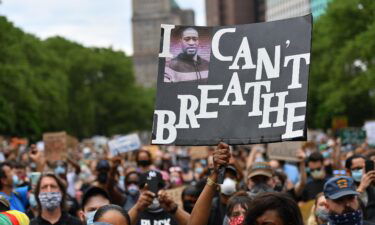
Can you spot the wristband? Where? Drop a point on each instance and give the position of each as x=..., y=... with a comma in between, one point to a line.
x=210, y=182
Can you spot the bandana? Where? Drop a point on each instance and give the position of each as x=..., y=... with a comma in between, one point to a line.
x=50, y=200
x=238, y=220
x=349, y=218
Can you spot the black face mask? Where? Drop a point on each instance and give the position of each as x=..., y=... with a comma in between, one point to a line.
x=188, y=206
x=279, y=187
x=260, y=188
x=144, y=163
x=102, y=177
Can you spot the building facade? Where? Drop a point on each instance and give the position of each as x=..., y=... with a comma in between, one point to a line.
x=231, y=12
x=282, y=9
x=146, y=20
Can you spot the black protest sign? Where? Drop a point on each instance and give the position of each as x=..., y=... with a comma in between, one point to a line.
x=239, y=84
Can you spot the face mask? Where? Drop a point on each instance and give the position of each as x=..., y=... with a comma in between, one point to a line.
x=357, y=175
x=238, y=220
x=32, y=201
x=144, y=163
x=318, y=174
x=155, y=206
x=50, y=200
x=326, y=154
x=176, y=180
x=260, y=188
x=278, y=187
x=322, y=214
x=228, y=187
x=349, y=218
x=198, y=170
x=60, y=170
x=133, y=189
x=188, y=206
x=16, y=181
x=90, y=217
x=102, y=178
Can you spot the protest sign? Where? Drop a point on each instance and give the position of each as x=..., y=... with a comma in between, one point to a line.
x=55, y=146
x=239, y=84
x=284, y=150
x=176, y=195
x=124, y=144
x=352, y=135
x=370, y=132
x=198, y=152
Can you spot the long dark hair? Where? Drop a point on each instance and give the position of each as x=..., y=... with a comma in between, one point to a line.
x=61, y=187
x=286, y=208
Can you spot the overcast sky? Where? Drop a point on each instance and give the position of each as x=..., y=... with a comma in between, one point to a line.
x=89, y=22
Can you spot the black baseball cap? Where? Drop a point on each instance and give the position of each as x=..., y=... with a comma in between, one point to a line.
x=93, y=191
x=338, y=187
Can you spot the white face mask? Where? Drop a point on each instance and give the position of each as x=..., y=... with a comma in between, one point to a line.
x=90, y=217
x=228, y=187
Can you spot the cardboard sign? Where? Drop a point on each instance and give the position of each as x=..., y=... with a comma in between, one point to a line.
x=370, y=132
x=200, y=152
x=284, y=150
x=355, y=136
x=240, y=84
x=55, y=145
x=124, y=144
x=176, y=195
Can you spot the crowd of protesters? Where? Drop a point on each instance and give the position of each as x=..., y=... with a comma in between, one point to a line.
x=92, y=187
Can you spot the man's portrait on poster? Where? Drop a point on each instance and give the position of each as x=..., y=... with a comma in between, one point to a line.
x=190, y=47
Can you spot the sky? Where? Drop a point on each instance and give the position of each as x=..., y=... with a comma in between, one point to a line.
x=89, y=22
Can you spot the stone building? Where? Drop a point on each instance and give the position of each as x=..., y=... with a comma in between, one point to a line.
x=147, y=17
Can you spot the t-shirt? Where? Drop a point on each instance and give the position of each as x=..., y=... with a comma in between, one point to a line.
x=17, y=199
x=312, y=188
x=160, y=218
x=65, y=219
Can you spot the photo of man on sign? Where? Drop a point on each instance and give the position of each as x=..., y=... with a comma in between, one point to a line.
x=187, y=65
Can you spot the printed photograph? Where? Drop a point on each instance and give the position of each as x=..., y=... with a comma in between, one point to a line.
x=191, y=48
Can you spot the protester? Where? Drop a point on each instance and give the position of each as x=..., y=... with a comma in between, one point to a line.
x=343, y=202
x=319, y=212
x=92, y=200
x=189, y=197
x=260, y=178
x=16, y=196
x=50, y=194
x=112, y=214
x=317, y=178
x=237, y=208
x=273, y=208
x=156, y=208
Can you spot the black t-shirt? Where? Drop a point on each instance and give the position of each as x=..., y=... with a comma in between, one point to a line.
x=64, y=220
x=159, y=218
x=312, y=188
x=217, y=213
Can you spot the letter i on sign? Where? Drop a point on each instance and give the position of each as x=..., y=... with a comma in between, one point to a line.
x=166, y=41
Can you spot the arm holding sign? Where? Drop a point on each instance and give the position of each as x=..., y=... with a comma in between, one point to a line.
x=116, y=196
x=37, y=157
x=200, y=215
x=171, y=207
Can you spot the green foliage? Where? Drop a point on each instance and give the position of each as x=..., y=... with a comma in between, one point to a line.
x=57, y=85
x=342, y=79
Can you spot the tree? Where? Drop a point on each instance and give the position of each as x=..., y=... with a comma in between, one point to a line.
x=342, y=79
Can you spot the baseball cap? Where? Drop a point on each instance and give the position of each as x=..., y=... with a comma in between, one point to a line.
x=93, y=191
x=4, y=202
x=102, y=165
x=338, y=187
x=260, y=168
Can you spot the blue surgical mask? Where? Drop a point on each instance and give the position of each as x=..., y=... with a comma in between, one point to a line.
x=322, y=214
x=326, y=154
x=199, y=170
x=16, y=181
x=32, y=201
x=60, y=170
x=357, y=175
x=90, y=217
x=133, y=189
